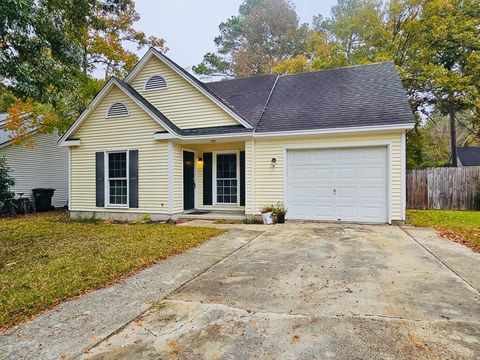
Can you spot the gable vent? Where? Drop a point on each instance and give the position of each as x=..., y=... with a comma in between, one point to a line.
x=155, y=82
x=117, y=109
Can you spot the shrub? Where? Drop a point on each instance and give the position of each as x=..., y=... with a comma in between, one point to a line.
x=6, y=181
x=267, y=209
x=476, y=199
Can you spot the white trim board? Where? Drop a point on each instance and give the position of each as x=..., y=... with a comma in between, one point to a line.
x=171, y=187
x=403, y=157
x=107, y=180
x=344, y=131
x=214, y=177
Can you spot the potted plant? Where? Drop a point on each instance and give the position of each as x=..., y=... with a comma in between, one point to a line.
x=279, y=211
x=267, y=215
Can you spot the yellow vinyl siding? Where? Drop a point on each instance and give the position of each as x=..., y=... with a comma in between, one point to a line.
x=181, y=102
x=269, y=181
x=99, y=133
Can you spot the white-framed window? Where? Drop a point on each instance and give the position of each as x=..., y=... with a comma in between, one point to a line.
x=116, y=178
x=155, y=82
x=226, y=182
x=117, y=109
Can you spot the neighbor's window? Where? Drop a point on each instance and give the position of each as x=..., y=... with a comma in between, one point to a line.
x=117, y=178
x=227, y=178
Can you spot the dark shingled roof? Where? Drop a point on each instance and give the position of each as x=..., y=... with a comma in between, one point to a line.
x=469, y=156
x=364, y=95
x=248, y=95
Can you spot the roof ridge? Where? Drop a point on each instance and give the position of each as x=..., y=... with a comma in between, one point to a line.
x=305, y=72
x=242, y=78
x=341, y=68
x=266, y=103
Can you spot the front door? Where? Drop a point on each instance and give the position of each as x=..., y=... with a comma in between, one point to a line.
x=188, y=180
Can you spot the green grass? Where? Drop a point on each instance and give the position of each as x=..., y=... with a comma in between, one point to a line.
x=463, y=226
x=47, y=258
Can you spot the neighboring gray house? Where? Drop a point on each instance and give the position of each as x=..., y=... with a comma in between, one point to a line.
x=45, y=165
x=468, y=156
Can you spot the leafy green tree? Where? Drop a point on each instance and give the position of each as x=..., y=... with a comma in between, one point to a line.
x=48, y=50
x=264, y=33
x=357, y=27
x=104, y=41
x=434, y=43
x=445, y=67
x=6, y=181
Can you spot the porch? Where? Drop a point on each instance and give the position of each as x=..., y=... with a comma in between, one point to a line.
x=213, y=178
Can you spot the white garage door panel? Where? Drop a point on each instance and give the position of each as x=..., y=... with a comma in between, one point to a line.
x=337, y=184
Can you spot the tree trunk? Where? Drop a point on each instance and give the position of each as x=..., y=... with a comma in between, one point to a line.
x=453, y=135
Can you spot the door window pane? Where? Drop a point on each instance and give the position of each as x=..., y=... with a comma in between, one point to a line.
x=227, y=181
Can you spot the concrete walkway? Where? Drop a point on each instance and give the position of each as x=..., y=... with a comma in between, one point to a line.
x=81, y=323
x=293, y=291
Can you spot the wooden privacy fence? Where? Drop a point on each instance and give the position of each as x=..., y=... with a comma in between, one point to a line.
x=443, y=188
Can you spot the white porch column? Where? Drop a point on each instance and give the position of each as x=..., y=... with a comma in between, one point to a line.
x=249, y=177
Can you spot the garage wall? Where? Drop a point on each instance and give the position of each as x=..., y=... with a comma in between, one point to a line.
x=269, y=181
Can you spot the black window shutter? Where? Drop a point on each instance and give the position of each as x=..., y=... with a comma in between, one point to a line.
x=242, y=178
x=133, y=178
x=100, y=179
x=207, y=178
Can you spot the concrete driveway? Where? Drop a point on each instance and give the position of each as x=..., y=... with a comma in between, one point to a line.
x=317, y=291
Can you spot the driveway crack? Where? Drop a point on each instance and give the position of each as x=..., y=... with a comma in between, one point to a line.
x=250, y=313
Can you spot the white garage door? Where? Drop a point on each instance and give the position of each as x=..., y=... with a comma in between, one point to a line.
x=348, y=184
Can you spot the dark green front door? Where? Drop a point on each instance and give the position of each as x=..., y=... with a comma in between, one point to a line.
x=188, y=180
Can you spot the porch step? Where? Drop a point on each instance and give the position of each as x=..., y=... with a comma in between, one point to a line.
x=214, y=215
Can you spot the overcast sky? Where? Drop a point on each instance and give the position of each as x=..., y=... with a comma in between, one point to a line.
x=189, y=26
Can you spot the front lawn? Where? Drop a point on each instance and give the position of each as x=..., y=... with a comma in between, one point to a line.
x=47, y=258
x=462, y=226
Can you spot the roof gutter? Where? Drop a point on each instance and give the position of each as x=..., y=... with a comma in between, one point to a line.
x=343, y=130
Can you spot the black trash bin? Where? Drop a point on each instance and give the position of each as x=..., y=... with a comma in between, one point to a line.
x=43, y=199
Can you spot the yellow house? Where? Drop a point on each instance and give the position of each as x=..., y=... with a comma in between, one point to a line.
x=329, y=144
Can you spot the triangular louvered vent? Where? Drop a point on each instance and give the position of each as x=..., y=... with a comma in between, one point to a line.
x=155, y=82
x=117, y=109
